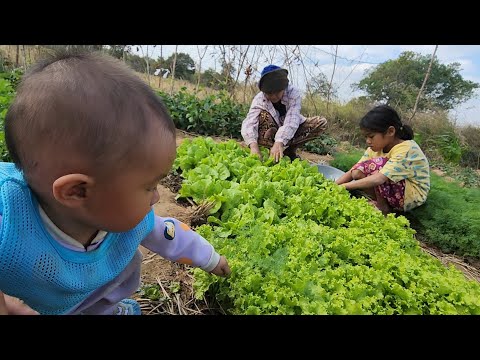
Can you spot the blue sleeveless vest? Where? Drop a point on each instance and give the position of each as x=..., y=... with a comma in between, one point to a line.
x=34, y=267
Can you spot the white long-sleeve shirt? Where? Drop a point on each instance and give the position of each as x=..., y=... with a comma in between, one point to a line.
x=288, y=124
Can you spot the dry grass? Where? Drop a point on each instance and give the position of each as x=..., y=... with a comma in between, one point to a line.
x=177, y=294
x=469, y=271
x=178, y=304
x=173, y=182
x=200, y=213
x=242, y=95
x=471, y=135
x=26, y=53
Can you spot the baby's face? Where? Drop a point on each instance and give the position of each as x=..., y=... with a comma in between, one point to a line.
x=121, y=202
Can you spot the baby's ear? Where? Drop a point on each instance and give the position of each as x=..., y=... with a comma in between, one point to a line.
x=71, y=190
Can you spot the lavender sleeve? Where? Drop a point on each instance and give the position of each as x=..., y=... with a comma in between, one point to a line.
x=249, y=129
x=293, y=118
x=176, y=241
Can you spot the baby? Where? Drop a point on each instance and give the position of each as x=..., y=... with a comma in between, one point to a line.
x=89, y=142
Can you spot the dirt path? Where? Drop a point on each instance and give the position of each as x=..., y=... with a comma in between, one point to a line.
x=172, y=283
x=171, y=280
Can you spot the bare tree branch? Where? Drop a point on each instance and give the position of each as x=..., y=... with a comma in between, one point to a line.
x=173, y=68
x=424, y=82
x=308, y=87
x=160, y=76
x=248, y=74
x=147, y=67
x=331, y=79
x=24, y=58
x=200, y=65
x=353, y=69
x=243, y=56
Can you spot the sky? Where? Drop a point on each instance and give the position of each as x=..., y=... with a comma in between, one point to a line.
x=352, y=62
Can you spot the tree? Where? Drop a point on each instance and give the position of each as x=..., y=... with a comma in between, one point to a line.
x=398, y=82
x=138, y=63
x=319, y=85
x=184, y=66
x=199, y=72
x=210, y=78
x=228, y=83
x=219, y=81
x=76, y=47
x=118, y=51
x=424, y=82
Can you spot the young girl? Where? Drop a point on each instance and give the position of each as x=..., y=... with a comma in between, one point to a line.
x=393, y=170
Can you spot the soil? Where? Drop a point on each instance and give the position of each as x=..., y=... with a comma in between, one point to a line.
x=174, y=281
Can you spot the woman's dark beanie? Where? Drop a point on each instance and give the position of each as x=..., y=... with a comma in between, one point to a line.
x=273, y=79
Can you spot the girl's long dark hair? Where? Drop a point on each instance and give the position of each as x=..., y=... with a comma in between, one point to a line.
x=381, y=117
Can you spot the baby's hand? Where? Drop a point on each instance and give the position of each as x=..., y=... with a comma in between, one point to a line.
x=10, y=305
x=222, y=268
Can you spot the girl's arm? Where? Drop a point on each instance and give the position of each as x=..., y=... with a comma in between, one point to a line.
x=366, y=182
x=347, y=177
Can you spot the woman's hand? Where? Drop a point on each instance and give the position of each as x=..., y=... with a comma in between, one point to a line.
x=255, y=150
x=277, y=151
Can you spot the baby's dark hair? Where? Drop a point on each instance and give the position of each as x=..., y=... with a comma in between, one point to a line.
x=381, y=117
x=89, y=102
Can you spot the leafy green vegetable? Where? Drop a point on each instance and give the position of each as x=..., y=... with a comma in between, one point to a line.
x=298, y=244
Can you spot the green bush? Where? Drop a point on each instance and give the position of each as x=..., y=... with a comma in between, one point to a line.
x=466, y=176
x=213, y=115
x=438, y=136
x=449, y=147
x=323, y=145
x=345, y=161
x=13, y=77
x=449, y=218
x=471, y=154
x=8, y=83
